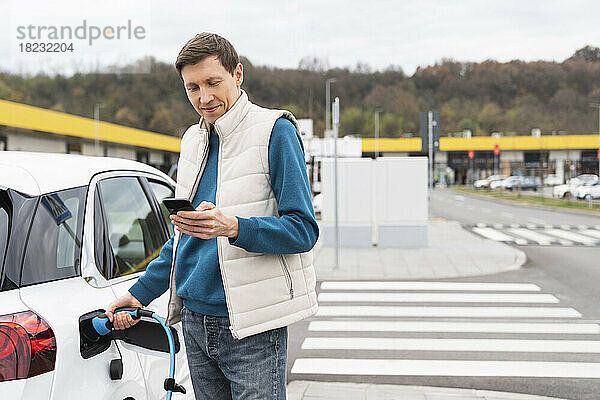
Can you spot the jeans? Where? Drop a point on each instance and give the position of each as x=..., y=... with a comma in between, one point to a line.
x=222, y=367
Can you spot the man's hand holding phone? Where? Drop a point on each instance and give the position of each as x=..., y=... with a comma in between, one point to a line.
x=205, y=222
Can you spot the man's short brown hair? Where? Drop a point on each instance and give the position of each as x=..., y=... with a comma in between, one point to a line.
x=205, y=45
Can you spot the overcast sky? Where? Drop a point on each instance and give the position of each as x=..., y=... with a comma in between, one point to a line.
x=280, y=33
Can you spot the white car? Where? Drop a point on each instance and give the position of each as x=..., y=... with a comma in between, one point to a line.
x=485, y=183
x=75, y=233
x=595, y=191
x=552, y=180
x=318, y=204
x=588, y=191
x=561, y=191
x=569, y=189
x=497, y=184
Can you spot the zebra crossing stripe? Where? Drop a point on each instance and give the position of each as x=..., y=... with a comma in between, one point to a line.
x=448, y=312
x=443, y=327
x=547, y=369
x=565, y=227
x=427, y=285
x=543, y=240
x=437, y=297
x=481, y=225
x=591, y=232
x=573, y=237
x=458, y=345
x=493, y=234
x=498, y=236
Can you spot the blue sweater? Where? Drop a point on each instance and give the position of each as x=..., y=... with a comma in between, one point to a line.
x=198, y=278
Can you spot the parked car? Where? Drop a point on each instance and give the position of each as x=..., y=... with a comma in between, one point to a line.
x=522, y=182
x=552, y=180
x=582, y=179
x=562, y=191
x=497, y=184
x=485, y=183
x=318, y=205
x=570, y=188
x=584, y=191
x=531, y=183
x=594, y=191
x=75, y=233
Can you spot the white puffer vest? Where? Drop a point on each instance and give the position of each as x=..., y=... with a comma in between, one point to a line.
x=262, y=291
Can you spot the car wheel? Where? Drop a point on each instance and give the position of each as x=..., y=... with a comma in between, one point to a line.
x=567, y=195
x=588, y=197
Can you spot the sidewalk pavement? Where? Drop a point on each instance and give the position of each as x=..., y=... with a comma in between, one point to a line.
x=452, y=253
x=310, y=390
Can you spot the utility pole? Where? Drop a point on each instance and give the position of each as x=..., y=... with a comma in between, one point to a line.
x=598, y=155
x=328, y=83
x=336, y=124
x=377, y=133
x=430, y=123
x=97, y=108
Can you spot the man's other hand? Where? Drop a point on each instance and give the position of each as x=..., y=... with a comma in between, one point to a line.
x=123, y=320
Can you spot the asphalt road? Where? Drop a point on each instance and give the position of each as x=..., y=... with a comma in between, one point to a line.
x=568, y=274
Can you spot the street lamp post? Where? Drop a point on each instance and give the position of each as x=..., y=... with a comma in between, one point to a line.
x=328, y=83
x=336, y=124
x=97, y=108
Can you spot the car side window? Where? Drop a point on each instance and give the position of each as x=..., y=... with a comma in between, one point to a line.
x=54, y=245
x=4, y=225
x=133, y=232
x=162, y=191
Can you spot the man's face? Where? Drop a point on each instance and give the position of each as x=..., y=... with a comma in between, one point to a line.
x=211, y=89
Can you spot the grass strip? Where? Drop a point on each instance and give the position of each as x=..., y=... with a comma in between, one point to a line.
x=582, y=205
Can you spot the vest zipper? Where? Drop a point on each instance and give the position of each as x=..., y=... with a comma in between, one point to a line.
x=288, y=276
x=219, y=246
x=190, y=196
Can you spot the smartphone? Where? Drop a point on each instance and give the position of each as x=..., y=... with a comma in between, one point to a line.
x=174, y=205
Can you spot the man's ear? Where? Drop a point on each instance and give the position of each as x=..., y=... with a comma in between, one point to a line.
x=238, y=74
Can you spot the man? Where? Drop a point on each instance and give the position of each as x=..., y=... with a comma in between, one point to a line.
x=240, y=266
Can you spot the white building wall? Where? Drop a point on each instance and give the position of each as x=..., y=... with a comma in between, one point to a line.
x=155, y=158
x=89, y=149
x=512, y=156
x=121, y=152
x=37, y=143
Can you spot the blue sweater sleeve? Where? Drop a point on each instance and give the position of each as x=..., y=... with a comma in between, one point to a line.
x=296, y=230
x=155, y=281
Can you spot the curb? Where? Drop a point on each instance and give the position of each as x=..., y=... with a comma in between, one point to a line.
x=520, y=260
x=303, y=389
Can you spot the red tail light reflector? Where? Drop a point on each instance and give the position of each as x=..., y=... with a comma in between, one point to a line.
x=27, y=346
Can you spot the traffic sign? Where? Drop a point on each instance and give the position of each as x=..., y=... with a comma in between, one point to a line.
x=471, y=154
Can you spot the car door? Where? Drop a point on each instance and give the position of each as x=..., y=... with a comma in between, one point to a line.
x=52, y=286
x=137, y=233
